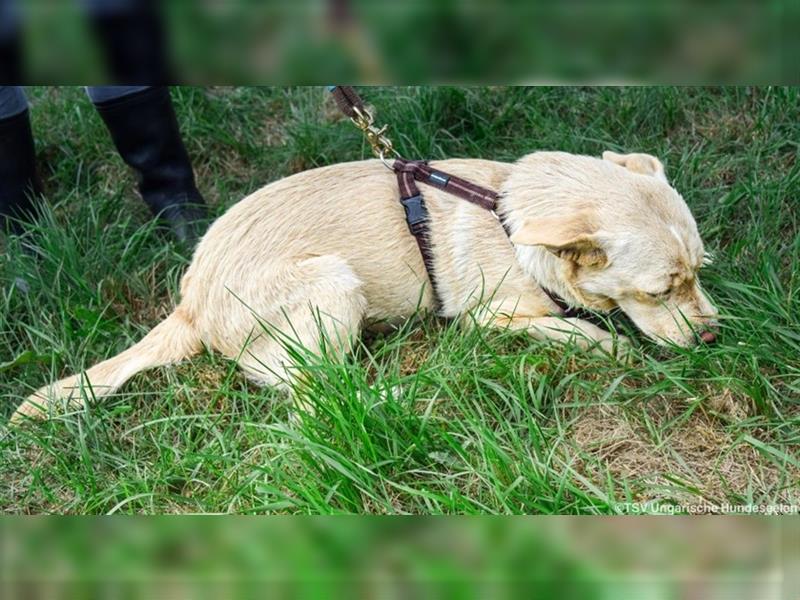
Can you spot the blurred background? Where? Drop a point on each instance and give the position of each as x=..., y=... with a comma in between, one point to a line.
x=483, y=557
x=435, y=41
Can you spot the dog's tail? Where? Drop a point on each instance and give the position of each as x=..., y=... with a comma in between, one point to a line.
x=171, y=341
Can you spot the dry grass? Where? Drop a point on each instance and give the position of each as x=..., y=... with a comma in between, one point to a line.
x=700, y=451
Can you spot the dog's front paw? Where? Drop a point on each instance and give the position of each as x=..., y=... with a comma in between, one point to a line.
x=619, y=347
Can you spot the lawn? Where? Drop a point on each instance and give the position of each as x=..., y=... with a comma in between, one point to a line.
x=430, y=418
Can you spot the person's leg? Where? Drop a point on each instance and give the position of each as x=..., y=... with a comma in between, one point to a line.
x=132, y=38
x=18, y=180
x=10, y=43
x=143, y=126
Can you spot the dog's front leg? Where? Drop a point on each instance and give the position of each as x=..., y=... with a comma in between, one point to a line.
x=587, y=336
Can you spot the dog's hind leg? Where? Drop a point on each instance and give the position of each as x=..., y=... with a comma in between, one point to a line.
x=320, y=313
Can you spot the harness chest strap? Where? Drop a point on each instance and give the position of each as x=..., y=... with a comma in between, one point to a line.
x=408, y=173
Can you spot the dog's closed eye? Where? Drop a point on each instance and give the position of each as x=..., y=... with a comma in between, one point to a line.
x=662, y=295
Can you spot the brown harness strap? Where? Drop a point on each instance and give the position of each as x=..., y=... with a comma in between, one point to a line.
x=417, y=220
x=422, y=172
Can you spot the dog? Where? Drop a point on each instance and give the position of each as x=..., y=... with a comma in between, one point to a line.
x=320, y=254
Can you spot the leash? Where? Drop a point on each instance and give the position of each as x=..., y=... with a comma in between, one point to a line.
x=351, y=105
x=409, y=172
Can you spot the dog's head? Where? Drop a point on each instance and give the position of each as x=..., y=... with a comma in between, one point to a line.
x=626, y=239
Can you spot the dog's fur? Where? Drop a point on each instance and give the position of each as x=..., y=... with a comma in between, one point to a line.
x=320, y=253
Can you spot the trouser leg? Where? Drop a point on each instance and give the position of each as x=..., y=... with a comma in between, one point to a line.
x=10, y=43
x=132, y=37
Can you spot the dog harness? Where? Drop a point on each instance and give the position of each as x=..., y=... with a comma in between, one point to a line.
x=409, y=172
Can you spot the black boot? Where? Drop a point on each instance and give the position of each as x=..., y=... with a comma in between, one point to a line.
x=145, y=132
x=19, y=184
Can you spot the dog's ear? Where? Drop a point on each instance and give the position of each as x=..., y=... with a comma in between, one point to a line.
x=643, y=164
x=571, y=239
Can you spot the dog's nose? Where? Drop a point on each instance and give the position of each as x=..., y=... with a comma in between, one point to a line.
x=708, y=336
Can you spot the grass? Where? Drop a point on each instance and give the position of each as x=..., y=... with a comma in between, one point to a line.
x=431, y=418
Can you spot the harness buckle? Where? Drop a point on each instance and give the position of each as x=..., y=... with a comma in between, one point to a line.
x=416, y=213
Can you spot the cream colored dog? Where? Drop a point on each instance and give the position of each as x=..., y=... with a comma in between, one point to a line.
x=318, y=254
